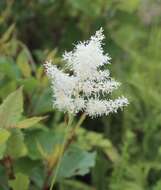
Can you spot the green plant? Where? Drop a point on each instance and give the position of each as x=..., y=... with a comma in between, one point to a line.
x=128, y=145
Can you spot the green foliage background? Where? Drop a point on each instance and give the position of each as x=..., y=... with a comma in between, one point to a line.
x=119, y=152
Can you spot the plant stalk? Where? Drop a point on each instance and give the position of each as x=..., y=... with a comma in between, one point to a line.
x=61, y=151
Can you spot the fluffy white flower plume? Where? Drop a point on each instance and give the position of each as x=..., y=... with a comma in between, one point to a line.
x=87, y=89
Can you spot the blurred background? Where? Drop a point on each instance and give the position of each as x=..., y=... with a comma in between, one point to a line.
x=128, y=144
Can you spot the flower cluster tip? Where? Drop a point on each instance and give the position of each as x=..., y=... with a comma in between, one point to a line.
x=89, y=86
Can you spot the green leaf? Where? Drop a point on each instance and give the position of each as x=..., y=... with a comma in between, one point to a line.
x=3, y=178
x=7, y=88
x=7, y=34
x=48, y=140
x=89, y=139
x=42, y=102
x=37, y=176
x=20, y=183
x=76, y=162
x=15, y=146
x=157, y=186
x=23, y=63
x=88, y=7
x=75, y=185
x=29, y=84
x=2, y=150
x=129, y=41
x=4, y=135
x=11, y=109
x=8, y=68
x=29, y=122
x=128, y=6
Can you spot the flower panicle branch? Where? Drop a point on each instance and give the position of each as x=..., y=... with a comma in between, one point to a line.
x=89, y=86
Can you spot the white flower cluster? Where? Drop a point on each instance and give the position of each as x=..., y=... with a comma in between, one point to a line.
x=87, y=88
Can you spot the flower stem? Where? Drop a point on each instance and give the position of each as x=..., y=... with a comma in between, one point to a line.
x=74, y=130
x=82, y=118
x=70, y=120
